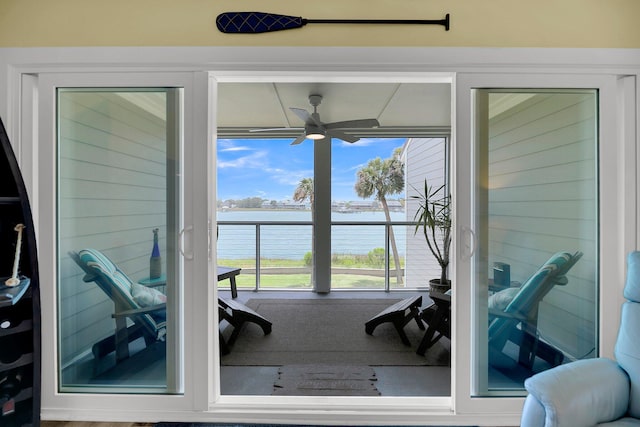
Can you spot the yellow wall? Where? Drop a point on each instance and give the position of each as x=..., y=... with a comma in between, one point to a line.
x=506, y=23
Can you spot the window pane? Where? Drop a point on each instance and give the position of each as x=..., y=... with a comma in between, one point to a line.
x=373, y=211
x=536, y=278
x=264, y=226
x=118, y=220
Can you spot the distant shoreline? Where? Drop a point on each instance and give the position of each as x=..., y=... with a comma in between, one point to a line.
x=340, y=210
x=287, y=234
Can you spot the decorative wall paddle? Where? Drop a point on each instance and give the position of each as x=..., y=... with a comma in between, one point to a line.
x=261, y=22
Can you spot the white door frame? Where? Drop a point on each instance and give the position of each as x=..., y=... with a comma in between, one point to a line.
x=17, y=66
x=187, y=350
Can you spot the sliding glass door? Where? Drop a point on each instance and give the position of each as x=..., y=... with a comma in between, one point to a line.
x=119, y=217
x=536, y=223
x=533, y=214
x=124, y=232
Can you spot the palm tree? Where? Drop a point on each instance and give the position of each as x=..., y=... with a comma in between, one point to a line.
x=380, y=178
x=304, y=191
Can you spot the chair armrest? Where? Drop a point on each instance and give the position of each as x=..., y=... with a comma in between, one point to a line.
x=155, y=285
x=138, y=311
x=582, y=393
x=514, y=315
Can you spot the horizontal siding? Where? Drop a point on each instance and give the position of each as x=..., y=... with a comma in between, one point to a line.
x=112, y=193
x=424, y=158
x=542, y=199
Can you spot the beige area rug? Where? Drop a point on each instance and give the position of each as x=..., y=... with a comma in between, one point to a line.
x=330, y=332
x=325, y=380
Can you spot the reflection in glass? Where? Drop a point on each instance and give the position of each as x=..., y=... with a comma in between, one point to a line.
x=536, y=198
x=118, y=215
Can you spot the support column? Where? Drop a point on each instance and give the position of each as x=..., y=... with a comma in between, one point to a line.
x=322, y=216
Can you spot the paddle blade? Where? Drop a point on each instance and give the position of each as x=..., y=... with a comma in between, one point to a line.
x=256, y=22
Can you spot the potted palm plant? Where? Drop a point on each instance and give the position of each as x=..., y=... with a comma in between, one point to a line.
x=433, y=220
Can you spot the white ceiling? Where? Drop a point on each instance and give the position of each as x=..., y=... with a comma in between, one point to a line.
x=403, y=109
x=264, y=105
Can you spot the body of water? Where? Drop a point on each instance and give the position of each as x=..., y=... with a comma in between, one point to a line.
x=293, y=241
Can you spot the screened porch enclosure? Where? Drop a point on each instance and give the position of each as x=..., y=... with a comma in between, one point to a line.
x=272, y=240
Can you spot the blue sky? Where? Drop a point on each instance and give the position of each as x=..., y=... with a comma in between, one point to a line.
x=272, y=168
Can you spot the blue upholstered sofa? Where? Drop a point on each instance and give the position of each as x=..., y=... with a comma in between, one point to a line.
x=594, y=392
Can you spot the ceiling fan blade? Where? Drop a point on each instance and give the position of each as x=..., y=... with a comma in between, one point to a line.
x=299, y=139
x=304, y=115
x=273, y=129
x=341, y=135
x=355, y=124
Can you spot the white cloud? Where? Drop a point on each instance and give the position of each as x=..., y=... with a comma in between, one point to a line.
x=254, y=160
x=229, y=145
x=231, y=149
x=288, y=176
x=365, y=142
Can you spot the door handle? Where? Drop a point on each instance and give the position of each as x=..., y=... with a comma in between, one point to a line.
x=468, y=242
x=189, y=255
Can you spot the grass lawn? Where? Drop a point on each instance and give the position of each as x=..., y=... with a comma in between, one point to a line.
x=337, y=260
x=303, y=281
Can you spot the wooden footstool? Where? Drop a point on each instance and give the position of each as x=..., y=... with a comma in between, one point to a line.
x=399, y=314
x=237, y=314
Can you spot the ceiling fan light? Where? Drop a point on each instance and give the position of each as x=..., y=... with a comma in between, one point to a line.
x=315, y=132
x=315, y=135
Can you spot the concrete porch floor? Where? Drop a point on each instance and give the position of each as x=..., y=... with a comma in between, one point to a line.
x=391, y=380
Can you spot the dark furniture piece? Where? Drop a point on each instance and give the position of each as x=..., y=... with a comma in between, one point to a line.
x=437, y=316
x=229, y=273
x=399, y=314
x=235, y=313
x=20, y=352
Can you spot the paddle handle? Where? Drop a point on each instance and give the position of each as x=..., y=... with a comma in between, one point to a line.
x=444, y=22
x=262, y=22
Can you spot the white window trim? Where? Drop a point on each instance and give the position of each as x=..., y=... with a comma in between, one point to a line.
x=17, y=65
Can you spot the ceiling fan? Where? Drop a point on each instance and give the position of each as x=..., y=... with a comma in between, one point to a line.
x=314, y=128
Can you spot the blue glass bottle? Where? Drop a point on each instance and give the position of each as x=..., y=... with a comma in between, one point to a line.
x=155, y=264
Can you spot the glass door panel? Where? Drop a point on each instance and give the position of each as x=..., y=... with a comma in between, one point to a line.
x=119, y=207
x=536, y=223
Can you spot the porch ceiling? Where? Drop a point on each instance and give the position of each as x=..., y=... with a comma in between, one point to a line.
x=265, y=105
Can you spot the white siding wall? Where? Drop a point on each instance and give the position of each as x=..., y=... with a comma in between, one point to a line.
x=424, y=158
x=112, y=181
x=542, y=199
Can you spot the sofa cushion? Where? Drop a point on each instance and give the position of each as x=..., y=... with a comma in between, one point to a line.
x=632, y=285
